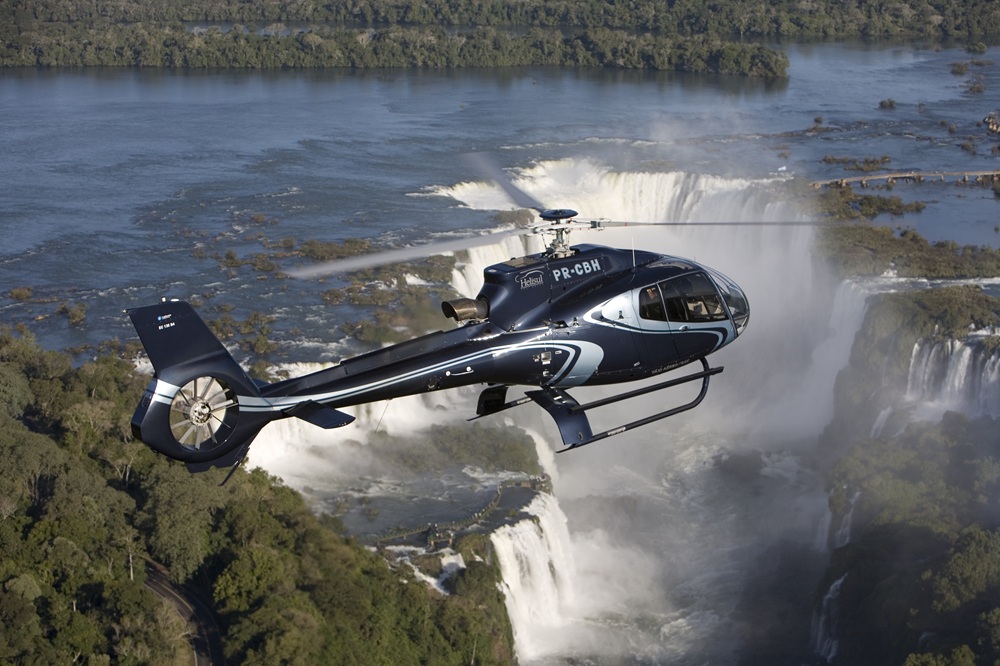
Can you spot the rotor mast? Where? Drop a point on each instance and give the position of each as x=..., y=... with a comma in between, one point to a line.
x=561, y=225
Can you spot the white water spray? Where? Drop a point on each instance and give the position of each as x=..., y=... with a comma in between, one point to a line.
x=650, y=567
x=559, y=593
x=778, y=386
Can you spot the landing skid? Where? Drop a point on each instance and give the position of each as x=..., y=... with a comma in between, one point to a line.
x=571, y=417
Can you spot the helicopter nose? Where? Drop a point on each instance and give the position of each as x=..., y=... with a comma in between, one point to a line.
x=740, y=309
x=735, y=299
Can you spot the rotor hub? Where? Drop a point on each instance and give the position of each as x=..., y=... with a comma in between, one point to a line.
x=201, y=413
x=557, y=214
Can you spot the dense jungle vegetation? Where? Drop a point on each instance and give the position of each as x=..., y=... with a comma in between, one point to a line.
x=866, y=250
x=920, y=576
x=679, y=35
x=83, y=507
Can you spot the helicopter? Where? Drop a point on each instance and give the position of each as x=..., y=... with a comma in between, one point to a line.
x=570, y=316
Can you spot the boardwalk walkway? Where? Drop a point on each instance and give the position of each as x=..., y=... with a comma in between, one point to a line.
x=509, y=501
x=987, y=176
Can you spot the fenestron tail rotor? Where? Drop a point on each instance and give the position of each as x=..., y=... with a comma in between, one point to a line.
x=195, y=408
x=203, y=412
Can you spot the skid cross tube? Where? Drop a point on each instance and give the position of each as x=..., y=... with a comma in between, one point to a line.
x=572, y=417
x=706, y=373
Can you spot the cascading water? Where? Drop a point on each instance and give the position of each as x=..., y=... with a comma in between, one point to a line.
x=538, y=566
x=642, y=554
x=561, y=597
x=955, y=374
x=659, y=500
x=825, y=642
x=842, y=537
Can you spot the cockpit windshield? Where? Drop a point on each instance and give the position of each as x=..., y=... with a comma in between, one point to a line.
x=695, y=297
x=688, y=298
x=735, y=300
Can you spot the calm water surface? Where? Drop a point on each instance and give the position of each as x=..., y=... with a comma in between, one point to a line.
x=121, y=186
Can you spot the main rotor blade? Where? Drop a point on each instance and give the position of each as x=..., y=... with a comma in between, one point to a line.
x=484, y=165
x=603, y=224
x=404, y=254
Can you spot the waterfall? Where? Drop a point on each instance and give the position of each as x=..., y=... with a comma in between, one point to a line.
x=567, y=593
x=825, y=641
x=538, y=569
x=657, y=579
x=959, y=375
x=843, y=535
x=880, y=422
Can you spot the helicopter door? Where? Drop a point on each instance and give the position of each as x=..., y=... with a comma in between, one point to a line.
x=657, y=345
x=620, y=314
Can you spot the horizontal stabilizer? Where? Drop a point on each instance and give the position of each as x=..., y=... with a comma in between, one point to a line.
x=320, y=415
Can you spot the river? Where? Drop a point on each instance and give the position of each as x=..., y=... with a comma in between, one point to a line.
x=120, y=187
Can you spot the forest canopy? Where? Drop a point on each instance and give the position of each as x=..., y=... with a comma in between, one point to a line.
x=914, y=502
x=674, y=35
x=726, y=19
x=84, y=507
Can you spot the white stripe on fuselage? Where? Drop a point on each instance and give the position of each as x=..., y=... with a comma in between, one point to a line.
x=584, y=356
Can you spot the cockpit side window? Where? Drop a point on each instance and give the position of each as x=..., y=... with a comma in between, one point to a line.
x=674, y=302
x=692, y=298
x=651, y=304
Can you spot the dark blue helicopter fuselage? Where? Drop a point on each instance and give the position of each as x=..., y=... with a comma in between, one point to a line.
x=586, y=316
x=583, y=319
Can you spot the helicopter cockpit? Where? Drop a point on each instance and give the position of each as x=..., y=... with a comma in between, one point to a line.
x=699, y=297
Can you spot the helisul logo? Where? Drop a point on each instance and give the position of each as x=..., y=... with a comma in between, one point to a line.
x=531, y=279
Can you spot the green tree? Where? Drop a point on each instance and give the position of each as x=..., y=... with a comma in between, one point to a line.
x=21, y=626
x=971, y=574
x=15, y=391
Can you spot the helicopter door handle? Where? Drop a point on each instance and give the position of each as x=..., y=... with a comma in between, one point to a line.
x=683, y=328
